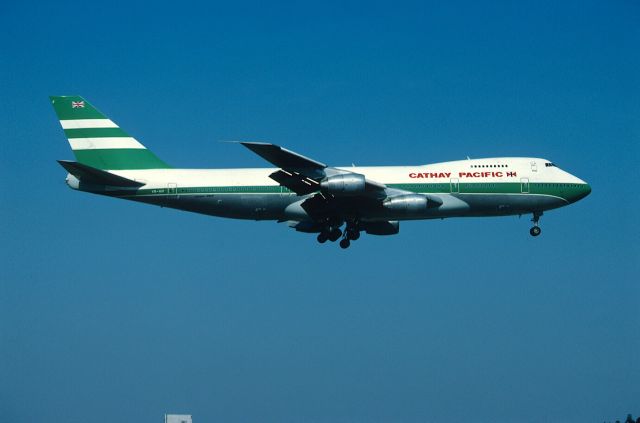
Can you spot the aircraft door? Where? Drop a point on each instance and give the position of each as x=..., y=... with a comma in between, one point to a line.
x=172, y=190
x=455, y=185
x=524, y=185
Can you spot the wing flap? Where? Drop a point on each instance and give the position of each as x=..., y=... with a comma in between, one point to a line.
x=297, y=183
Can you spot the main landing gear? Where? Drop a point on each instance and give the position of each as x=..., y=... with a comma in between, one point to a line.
x=333, y=233
x=535, y=231
x=350, y=234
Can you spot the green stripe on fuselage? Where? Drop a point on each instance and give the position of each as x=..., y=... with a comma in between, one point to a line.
x=565, y=191
x=568, y=192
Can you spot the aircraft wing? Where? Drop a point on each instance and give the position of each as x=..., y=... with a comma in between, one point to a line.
x=338, y=191
x=287, y=159
x=303, y=175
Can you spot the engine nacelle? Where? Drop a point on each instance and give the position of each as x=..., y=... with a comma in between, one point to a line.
x=343, y=185
x=72, y=181
x=410, y=203
x=381, y=228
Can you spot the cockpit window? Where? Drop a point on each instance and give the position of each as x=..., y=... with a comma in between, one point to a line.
x=549, y=164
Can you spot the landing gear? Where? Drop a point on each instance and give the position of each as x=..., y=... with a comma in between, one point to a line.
x=353, y=234
x=329, y=234
x=352, y=231
x=334, y=234
x=535, y=231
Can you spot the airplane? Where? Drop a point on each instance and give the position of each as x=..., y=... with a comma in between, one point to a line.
x=310, y=196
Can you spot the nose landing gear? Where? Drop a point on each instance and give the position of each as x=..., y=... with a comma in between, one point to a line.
x=535, y=231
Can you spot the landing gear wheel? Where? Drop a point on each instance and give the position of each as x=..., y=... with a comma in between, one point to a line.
x=535, y=231
x=322, y=237
x=335, y=234
x=353, y=235
x=344, y=243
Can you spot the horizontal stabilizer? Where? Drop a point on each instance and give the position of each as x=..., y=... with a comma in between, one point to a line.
x=91, y=175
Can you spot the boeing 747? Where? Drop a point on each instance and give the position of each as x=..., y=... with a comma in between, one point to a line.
x=310, y=196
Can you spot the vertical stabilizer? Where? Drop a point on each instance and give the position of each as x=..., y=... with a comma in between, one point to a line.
x=97, y=141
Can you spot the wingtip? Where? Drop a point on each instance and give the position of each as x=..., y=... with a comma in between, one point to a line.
x=254, y=145
x=246, y=143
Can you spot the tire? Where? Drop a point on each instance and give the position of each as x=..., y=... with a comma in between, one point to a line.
x=353, y=235
x=335, y=234
x=535, y=231
x=344, y=243
x=322, y=237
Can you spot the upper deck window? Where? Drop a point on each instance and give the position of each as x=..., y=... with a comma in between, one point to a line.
x=491, y=165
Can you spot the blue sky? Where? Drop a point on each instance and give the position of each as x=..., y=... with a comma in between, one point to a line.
x=111, y=309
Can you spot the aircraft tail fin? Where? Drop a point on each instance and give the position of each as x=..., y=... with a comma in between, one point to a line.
x=97, y=141
x=91, y=175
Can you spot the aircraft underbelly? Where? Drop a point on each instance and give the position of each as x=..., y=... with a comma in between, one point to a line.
x=288, y=207
x=509, y=204
x=237, y=206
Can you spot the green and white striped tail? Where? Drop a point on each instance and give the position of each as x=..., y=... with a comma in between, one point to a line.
x=97, y=141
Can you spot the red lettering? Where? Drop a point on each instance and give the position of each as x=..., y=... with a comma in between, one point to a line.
x=412, y=175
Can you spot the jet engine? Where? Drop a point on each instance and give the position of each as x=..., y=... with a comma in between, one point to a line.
x=343, y=185
x=381, y=228
x=409, y=203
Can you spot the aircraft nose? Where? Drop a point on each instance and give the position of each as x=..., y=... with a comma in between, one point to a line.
x=584, y=189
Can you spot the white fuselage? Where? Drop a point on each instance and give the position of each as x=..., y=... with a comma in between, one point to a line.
x=494, y=186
